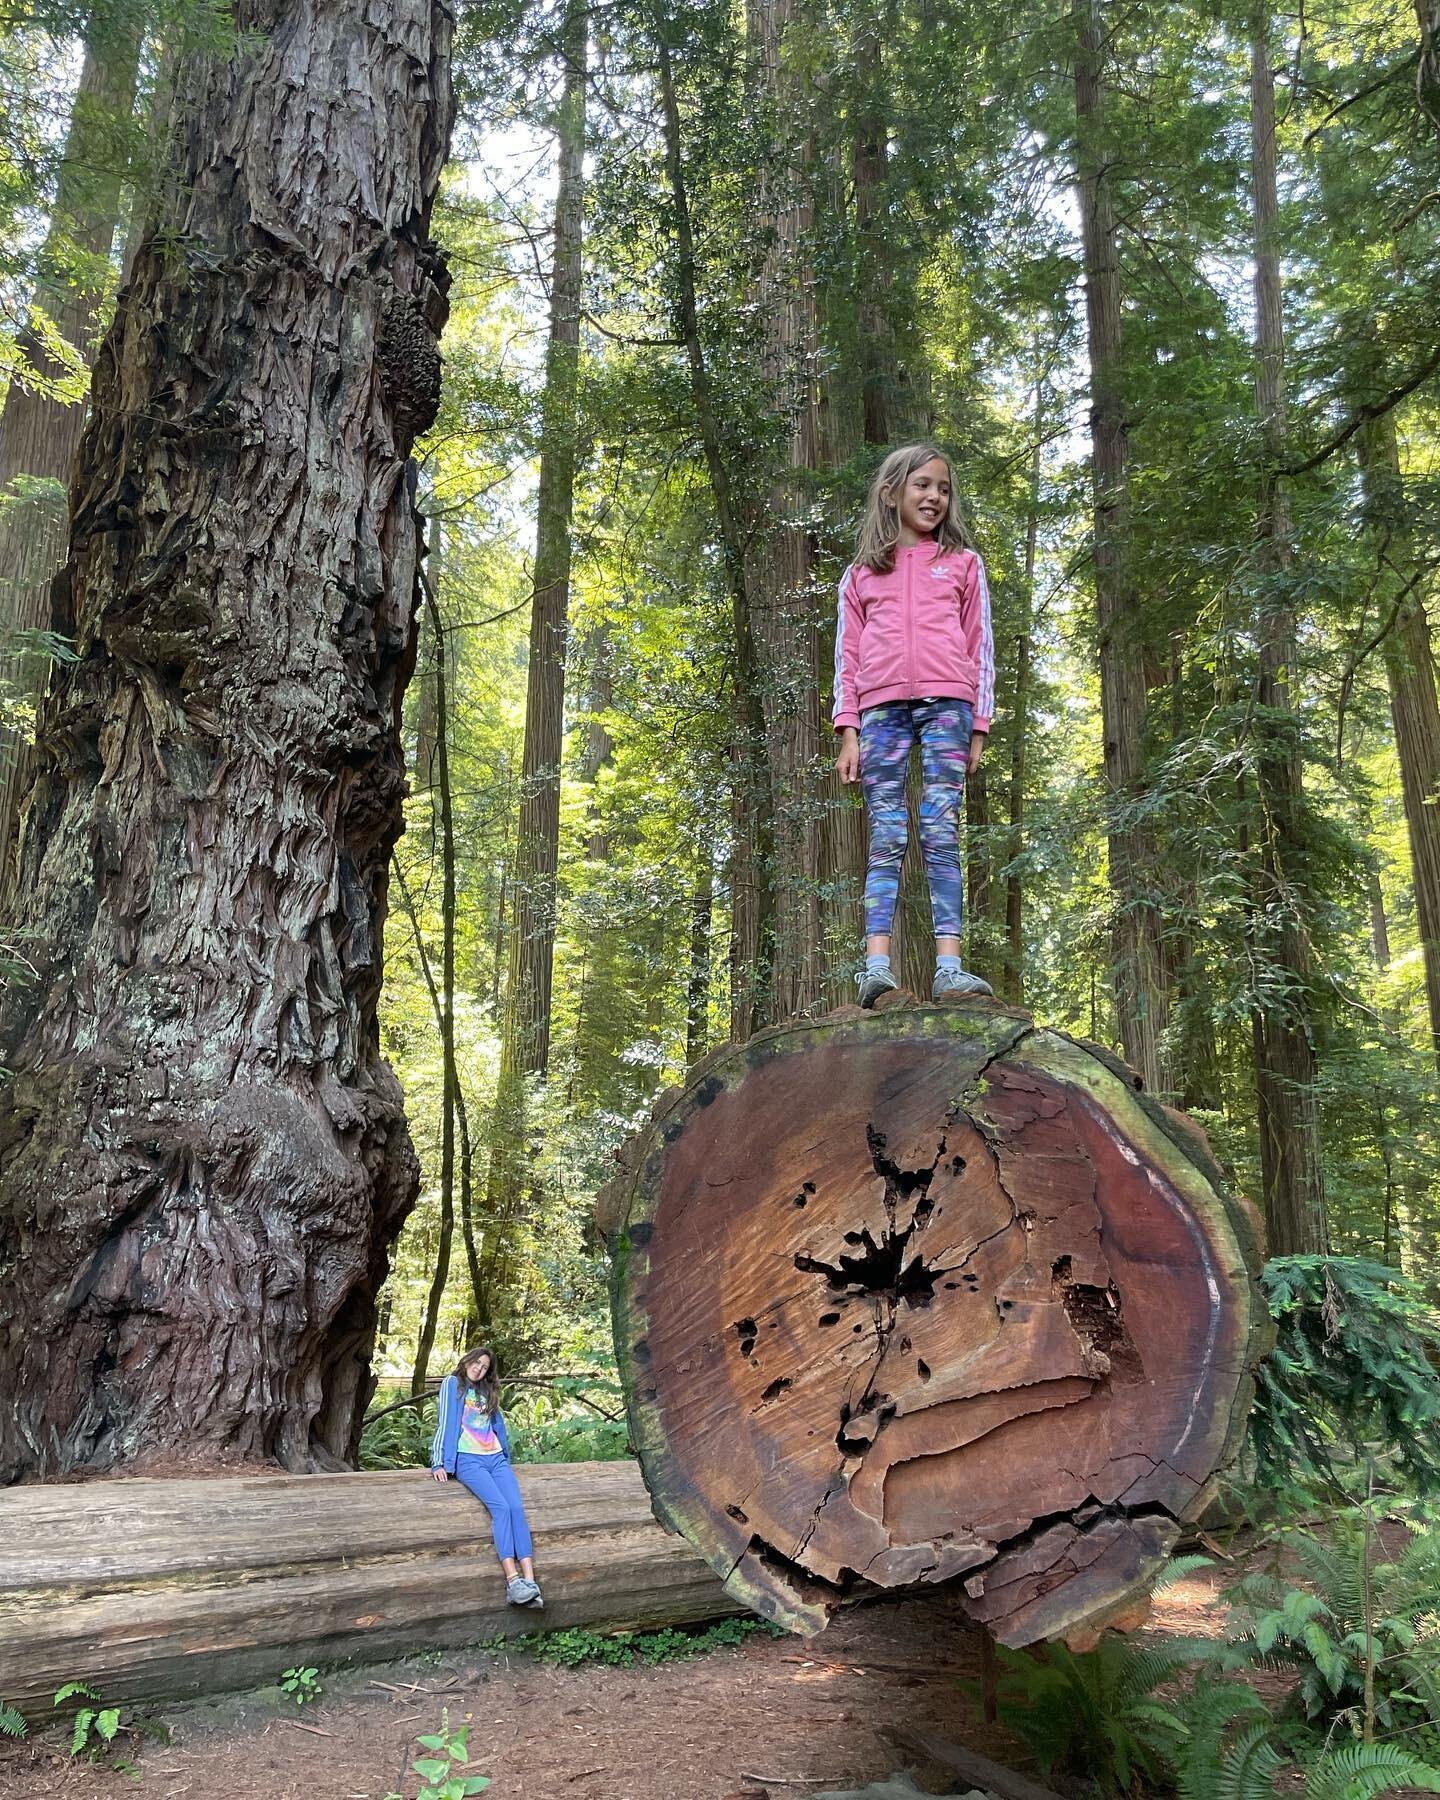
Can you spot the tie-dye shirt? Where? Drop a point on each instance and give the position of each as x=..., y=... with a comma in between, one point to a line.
x=477, y=1428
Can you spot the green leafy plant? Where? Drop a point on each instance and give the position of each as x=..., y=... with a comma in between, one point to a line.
x=95, y=1726
x=623, y=1649
x=12, y=1723
x=302, y=1685
x=1356, y=1358
x=441, y=1770
x=1094, y=1713
x=1233, y=1748
x=1362, y=1634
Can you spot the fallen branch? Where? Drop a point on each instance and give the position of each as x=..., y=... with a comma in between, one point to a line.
x=978, y=1770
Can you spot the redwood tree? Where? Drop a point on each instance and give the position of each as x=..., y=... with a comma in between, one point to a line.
x=1139, y=965
x=203, y=1157
x=1288, y=1114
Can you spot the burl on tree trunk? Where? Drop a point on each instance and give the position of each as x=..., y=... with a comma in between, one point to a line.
x=927, y=1294
x=203, y=1156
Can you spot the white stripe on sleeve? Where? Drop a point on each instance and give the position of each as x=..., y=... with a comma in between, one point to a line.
x=840, y=643
x=985, y=687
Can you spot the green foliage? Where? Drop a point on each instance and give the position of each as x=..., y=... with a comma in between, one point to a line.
x=623, y=1649
x=94, y=1726
x=1094, y=1713
x=1361, y=1771
x=302, y=1685
x=12, y=1723
x=1354, y=1621
x=441, y=1772
x=401, y=1439
x=1356, y=1363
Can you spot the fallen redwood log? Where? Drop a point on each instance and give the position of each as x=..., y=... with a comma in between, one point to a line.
x=171, y=1588
x=929, y=1294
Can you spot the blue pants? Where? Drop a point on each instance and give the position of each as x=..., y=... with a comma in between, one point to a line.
x=942, y=730
x=492, y=1481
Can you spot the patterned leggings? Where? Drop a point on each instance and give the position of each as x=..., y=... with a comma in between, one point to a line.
x=942, y=730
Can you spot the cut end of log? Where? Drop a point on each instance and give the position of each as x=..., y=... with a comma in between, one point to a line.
x=927, y=1295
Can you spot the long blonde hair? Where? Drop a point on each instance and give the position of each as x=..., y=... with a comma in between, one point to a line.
x=880, y=528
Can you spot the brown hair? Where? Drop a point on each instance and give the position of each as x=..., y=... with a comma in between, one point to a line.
x=489, y=1389
x=880, y=527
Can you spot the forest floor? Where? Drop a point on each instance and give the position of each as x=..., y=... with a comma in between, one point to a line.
x=773, y=1719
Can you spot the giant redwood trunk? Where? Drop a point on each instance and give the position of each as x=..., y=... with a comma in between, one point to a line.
x=928, y=1294
x=203, y=1158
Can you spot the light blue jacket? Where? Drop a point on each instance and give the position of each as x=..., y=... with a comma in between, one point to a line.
x=446, y=1441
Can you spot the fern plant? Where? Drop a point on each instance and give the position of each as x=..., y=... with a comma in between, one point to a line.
x=12, y=1723
x=1361, y=1635
x=1094, y=1713
x=1361, y=1771
x=95, y=1726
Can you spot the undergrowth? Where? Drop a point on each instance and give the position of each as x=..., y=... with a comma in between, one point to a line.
x=624, y=1649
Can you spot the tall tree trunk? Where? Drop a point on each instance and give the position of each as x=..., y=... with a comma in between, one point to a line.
x=444, y=1000
x=1379, y=925
x=39, y=431
x=1292, y=1173
x=982, y=925
x=1013, y=988
x=752, y=957
x=203, y=1157
x=1414, y=707
x=778, y=555
x=1141, y=1000
x=525, y=1032
x=697, y=990
x=598, y=748
x=526, y=1045
x=1427, y=75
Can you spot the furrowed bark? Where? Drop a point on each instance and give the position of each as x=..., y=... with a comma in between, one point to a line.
x=929, y=1295
x=203, y=1157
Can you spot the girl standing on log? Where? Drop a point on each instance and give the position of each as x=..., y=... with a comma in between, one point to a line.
x=472, y=1444
x=914, y=663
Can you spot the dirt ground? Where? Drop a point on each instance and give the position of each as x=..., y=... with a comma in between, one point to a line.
x=775, y=1717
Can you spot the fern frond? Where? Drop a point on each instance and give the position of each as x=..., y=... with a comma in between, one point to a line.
x=1181, y=1568
x=12, y=1723
x=1249, y=1765
x=1361, y=1771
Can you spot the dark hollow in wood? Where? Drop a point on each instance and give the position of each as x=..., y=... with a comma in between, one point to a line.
x=173, y=1588
x=928, y=1295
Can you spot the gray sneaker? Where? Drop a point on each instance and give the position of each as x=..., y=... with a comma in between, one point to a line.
x=522, y=1592
x=874, y=983
x=958, y=981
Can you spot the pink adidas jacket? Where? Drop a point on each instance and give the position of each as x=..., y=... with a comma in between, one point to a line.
x=921, y=632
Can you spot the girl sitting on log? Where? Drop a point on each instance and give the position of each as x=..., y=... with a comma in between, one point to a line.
x=914, y=663
x=472, y=1444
